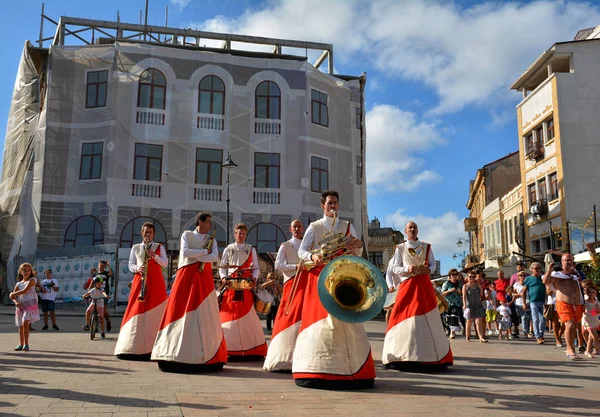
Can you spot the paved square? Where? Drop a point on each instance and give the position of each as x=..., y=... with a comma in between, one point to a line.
x=67, y=374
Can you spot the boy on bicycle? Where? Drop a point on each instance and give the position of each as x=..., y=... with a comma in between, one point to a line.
x=98, y=294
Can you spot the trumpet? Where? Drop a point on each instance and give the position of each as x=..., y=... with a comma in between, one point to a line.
x=142, y=296
x=208, y=247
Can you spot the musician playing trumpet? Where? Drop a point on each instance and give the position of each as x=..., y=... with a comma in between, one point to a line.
x=190, y=339
x=415, y=339
x=329, y=353
x=242, y=328
x=142, y=316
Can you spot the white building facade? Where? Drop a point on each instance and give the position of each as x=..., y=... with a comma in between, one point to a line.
x=134, y=132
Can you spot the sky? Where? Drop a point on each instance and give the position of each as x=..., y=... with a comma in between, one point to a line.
x=438, y=98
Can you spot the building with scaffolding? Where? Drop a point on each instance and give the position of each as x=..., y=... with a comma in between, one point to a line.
x=115, y=124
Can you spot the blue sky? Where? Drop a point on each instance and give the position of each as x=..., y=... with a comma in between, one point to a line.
x=439, y=73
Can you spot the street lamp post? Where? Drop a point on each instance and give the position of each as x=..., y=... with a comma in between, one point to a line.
x=229, y=165
x=462, y=258
x=461, y=241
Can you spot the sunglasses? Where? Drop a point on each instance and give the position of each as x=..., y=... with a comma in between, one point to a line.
x=536, y=268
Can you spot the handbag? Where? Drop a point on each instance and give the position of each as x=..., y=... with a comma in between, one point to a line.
x=467, y=313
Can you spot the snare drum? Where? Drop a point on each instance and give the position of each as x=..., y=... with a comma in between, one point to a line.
x=390, y=299
x=263, y=303
x=240, y=284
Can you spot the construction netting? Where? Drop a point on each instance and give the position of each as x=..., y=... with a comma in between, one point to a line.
x=103, y=138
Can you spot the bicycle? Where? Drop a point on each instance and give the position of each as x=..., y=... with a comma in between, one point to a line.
x=94, y=317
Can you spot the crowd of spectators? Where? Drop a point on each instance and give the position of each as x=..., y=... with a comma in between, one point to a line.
x=529, y=304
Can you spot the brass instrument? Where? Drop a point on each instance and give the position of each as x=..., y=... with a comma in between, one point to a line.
x=142, y=296
x=330, y=246
x=352, y=289
x=208, y=246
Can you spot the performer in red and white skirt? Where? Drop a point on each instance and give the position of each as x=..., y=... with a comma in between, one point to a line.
x=190, y=338
x=415, y=339
x=287, y=322
x=242, y=328
x=142, y=318
x=329, y=353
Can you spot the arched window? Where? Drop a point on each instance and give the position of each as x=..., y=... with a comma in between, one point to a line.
x=84, y=231
x=268, y=101
x=132, y=232
x=265, y=237
x=152, y=89
x=211, y=98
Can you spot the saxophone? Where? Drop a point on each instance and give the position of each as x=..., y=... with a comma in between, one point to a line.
x=208, y=246
x=142, y=296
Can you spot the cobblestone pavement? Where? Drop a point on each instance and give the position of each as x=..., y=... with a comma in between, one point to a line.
x=67, y=374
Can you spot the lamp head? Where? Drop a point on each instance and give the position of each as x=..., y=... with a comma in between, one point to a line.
x=229, y=164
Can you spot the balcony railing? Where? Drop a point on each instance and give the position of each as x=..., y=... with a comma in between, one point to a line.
x=266, y=197
x=494, y=253
x=536, y=152
x=267, y=127
x=150, y=117
x=146, y=190
x=210, y=122
x=539, y=208
x=208, y=194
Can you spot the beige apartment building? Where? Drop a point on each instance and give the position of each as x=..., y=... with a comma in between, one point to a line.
x=491, y=183
x=558, y=125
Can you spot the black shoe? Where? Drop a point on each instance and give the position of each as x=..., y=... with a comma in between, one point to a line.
x=103, y=335
x=45, y=327
x=108, y=325
x=86, y=328
x=55, y=327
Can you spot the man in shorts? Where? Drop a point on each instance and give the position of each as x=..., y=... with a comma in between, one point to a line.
x=569, y=299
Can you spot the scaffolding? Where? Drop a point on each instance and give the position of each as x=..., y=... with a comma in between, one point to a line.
x=91, y=32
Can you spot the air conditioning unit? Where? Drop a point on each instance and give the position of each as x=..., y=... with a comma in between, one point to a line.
x=539, y=208
x=534, y=209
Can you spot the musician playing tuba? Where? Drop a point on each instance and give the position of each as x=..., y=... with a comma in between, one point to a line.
x=329, y=353
x=415, y=339
x=142, y=317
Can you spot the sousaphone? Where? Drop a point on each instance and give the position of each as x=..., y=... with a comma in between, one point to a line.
x=352, y=289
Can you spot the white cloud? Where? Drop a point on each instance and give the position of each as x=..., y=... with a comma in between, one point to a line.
x=467, y=55
x=441, y=232
x=394, y=138
x=180, y=3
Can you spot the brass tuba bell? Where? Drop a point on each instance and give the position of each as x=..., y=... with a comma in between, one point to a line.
x=352, y=289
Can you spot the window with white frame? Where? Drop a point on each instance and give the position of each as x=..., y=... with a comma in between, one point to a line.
x=553, y=180
x=550, y=130
x=542, y=188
